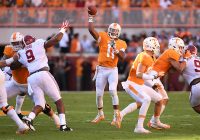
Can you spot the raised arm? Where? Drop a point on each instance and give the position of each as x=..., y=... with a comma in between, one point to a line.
x=56, y=38
x=179, y=66
x=91, y=28
x=8, y=62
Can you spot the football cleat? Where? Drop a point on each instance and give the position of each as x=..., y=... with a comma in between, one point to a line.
x=141, y=131
x=21, y=116
x=98, y=118
x=158, y=125
x=29, y=123
x=113, y=122
x=65, y=128
x=118, y=119
x=22, y=130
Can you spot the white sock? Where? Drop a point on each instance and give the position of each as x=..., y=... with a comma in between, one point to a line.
x=19, y=103
x=140, y=122
x=13, y=115
x=62, y=119
x=130, y=108
x=100, y=112
x=56, y=119
x=31, y=115
x=155, y=119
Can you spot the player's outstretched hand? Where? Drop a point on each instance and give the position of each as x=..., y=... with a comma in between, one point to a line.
x=65, y=26
x=161, y=73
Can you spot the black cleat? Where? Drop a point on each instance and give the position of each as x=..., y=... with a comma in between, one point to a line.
x=21, y=116
x=29, y=123
x=65, y=128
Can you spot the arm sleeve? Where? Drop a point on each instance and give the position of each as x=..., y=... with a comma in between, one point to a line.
x=174, y=55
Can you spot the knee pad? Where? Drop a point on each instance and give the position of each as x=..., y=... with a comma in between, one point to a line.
x=7, y=108
x=114, y=96
x=46, y=109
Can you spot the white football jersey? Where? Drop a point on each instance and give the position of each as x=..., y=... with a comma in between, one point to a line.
x=192, y=70
x=34, y=56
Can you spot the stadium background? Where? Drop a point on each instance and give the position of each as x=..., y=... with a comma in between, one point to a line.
x=73, y=64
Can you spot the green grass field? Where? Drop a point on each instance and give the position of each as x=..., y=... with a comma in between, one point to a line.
x=81, y=109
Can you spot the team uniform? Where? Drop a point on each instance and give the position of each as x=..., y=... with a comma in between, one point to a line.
x=107, y=64
x=41, y=81
x=18, y=82
x=135, y=86
x=162, y=64
x=107, y=71
x=191, y=74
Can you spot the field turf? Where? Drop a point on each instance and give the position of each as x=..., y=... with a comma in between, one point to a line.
x=81, y=108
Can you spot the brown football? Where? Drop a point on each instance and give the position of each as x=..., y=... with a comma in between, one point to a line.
x=92, y=10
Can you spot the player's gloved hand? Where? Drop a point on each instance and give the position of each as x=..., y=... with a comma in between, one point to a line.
x=65, y=26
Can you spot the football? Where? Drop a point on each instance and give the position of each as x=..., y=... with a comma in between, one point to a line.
x=92, y=10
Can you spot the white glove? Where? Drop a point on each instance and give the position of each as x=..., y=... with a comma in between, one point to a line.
x=65, y=26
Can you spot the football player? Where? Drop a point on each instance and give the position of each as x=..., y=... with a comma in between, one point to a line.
x=136, y=88
x=191, y=74
x=18, y=83
x=169, y=58
x=111, y=48
x=33, y=56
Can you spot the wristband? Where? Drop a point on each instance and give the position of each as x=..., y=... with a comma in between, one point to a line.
x=9, y=61
x=90, y=19
x=148, y=77
x=62, y=30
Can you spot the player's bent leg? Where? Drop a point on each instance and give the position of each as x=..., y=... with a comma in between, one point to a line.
x=49, y=112
x=9, y=111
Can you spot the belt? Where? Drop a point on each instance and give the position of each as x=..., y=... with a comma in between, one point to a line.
x=42, y=69
x=194, y=82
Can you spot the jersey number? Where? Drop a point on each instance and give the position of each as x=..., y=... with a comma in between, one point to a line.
x=30, y=56
x=197, y=65
x=110, y=52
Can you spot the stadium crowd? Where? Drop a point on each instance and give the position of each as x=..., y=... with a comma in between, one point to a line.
x=123, y=4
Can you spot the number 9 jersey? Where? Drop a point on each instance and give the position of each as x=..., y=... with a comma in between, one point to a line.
x=106, y=57
x=192, y=69
x=33, y=56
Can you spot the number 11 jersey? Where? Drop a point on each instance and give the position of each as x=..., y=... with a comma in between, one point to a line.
x=106, y=57
x=34, y=56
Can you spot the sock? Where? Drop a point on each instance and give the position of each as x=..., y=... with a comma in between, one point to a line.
x=32, y=116
x=19, y=103
x=155, y=118
x=130, y=108
x=56, y=119
x=140, y=122
x=100, y=112
x=62, y=119
x=13, y=115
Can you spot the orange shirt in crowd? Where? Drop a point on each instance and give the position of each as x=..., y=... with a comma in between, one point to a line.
x=19, y=75
x=145, y=60
x=162, y=64
x=20, y=3
x=154, y=3
x=124, y=4
x=75, y=46
x=106, y=57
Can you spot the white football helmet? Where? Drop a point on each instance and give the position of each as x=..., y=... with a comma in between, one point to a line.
x=114, y=30
x=177, y=44
x=16, y=40
x=151, y=44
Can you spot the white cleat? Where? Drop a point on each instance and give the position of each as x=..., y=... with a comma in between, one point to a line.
x=141, y=131
x=98, y=118
x=22, y=130
x=158, y=125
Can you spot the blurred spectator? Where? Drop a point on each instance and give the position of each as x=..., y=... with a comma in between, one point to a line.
x=86, y=80
x=133, y=44
x=115, y=13
x=86, y=45
x=61, y=69
x=63, y=44
x=124, y=5
x=80, y=3
x=20, y=3
x=27, y=3
x=75, y=44
x=90, y=3
x=165, y=3
x=125, y=38
x=79, y=72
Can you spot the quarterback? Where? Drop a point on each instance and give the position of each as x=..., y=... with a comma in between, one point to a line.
x=111, y=48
